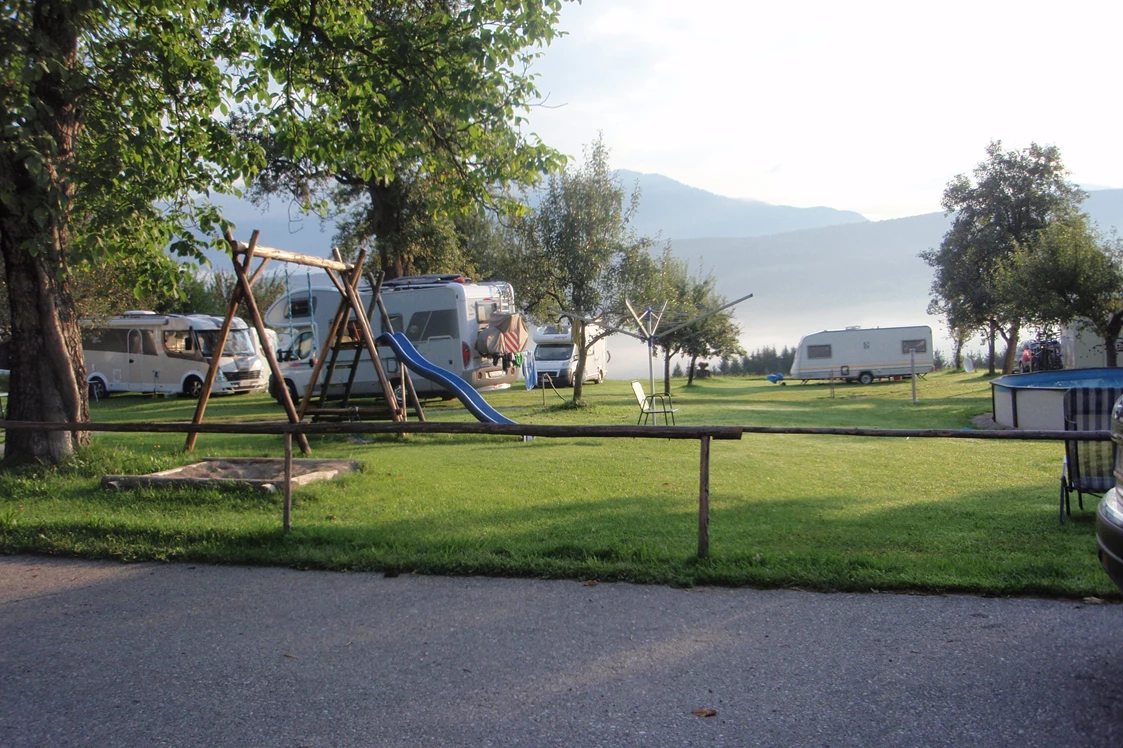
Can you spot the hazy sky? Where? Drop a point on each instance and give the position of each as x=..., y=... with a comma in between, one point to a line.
x=866, y=106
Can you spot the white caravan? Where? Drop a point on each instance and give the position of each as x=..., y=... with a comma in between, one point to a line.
x=148, y=352
x=555, y=355
x=863, y=354
x=1084, y=348
x=453, y=324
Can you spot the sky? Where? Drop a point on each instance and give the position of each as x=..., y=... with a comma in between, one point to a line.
x=864, y=106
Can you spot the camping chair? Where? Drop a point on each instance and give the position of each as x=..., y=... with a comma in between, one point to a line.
x=653, y=405
x=1088, y=466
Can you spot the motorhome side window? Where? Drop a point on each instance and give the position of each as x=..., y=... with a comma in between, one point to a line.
x=440, y=323
x=142, y=342
x=179, y=343
x=395, y=323
x=818, y=351
x=909, y=346
x=101, y=339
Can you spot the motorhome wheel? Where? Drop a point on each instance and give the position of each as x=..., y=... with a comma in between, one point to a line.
x=193, y=387
x=865, y=378
x=98, y=390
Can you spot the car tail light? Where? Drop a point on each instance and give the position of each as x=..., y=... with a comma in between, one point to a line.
x=467, y=353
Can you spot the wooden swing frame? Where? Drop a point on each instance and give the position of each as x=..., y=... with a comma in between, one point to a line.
x=345, y=277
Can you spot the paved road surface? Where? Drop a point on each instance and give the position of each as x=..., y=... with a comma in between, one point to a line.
x=153, y=655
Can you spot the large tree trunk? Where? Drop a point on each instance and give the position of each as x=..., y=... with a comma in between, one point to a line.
x=579, y=372
x=386, y=227
x=48, y=380
x=690, y=371
x=991, y=334
x=1010, y=337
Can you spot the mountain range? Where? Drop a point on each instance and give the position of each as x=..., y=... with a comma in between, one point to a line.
x=808, y=269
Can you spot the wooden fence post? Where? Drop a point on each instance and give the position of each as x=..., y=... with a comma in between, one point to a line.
x=704, y=499
x=288, y=482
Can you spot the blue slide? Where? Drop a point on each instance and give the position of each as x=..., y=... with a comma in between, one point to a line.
x=464, y=392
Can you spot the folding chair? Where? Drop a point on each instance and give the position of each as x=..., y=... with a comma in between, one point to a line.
x=653, y=405
x=1088, y=466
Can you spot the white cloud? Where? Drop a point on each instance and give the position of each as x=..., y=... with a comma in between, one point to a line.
x=869, y=106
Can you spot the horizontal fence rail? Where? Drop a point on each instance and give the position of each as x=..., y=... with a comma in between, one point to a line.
x=702, y=433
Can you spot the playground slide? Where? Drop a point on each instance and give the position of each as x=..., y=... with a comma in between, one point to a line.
x=464, y=392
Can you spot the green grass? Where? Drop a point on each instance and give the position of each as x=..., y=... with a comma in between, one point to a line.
x=821, y=512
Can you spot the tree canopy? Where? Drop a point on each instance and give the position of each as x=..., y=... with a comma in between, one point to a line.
x=400, y=114
x=576, y=253
x=113, y=136
x=999, y=214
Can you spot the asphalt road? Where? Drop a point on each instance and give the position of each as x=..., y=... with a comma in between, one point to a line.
x=152, y=655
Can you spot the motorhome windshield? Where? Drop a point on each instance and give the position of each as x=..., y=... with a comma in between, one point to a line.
x=553, y=352
x=238, y=342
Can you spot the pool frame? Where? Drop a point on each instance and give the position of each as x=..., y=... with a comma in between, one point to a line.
x=1026, y=401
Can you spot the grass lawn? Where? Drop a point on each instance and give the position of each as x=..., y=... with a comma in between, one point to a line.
x=822, y=512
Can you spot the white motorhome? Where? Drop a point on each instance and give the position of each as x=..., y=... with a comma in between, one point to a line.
x=555, y=355
x=147, y=352
x=463, y=327
x=1084, y=348
x=863, y=354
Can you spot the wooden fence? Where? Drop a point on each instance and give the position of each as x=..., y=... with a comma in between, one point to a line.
x=704, y=434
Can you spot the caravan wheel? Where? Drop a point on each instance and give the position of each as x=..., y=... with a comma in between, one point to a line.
x=865, y=378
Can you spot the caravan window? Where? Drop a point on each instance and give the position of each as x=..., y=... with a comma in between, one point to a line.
x=440, y=323
x=483, y=311
x=301, y=308
x=920, y=346
x=818, y=351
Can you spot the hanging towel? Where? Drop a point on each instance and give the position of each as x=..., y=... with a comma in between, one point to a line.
x=529, y=371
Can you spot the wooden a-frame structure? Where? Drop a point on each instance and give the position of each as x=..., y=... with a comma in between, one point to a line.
x=345, y=277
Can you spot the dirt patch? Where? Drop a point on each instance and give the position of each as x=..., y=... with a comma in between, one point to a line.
x=986, y=421
x=264, y=473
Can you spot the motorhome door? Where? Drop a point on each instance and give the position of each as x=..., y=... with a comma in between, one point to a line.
x=144, y=363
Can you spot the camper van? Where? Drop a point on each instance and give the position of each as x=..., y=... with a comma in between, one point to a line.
x=555, y=355
x=863, y=354
x=147, y=352
x=453, y=323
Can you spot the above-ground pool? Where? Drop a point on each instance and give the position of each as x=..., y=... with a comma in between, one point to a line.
x=1035, y=400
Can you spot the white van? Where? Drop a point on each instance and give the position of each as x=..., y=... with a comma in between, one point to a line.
x=454, y=324
x=555, y=355
x=863, y=354
x=147, y=352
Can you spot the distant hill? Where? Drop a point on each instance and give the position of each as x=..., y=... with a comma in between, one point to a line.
x=839, y=269
x=676, y=211
x=866, y=274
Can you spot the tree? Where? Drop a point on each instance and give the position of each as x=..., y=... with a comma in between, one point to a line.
x=111, y=133
x=1012, y=196
x=576, y=253
x=401, y=114
x=107, y=110
x=690, y=297
x=1070, y=272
